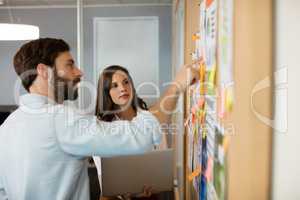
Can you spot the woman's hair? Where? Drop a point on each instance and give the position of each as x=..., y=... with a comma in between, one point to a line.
x=105, y=107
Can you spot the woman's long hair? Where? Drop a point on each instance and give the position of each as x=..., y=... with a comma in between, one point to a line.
x=106, y=109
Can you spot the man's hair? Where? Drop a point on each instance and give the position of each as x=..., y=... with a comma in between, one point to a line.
x=43, y=50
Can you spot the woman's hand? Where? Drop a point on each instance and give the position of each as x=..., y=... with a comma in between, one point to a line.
x=165, y=106
x=187, y=75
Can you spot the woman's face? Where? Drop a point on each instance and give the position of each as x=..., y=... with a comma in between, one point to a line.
x=121, y=89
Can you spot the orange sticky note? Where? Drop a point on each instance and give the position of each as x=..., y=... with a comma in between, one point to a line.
x=202, y=117
x=193, y=119
x=195, y=173
x=201, y=102
x=195, y=37
x=208, y=172
x=202, y=72
x=208, y=3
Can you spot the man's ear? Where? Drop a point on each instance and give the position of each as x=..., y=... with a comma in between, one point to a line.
x=42, y=71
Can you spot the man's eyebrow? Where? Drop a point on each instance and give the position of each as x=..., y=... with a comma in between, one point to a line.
x=71, y=61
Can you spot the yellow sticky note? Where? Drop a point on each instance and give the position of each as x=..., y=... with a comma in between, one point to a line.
x=225, y=143
x=204, y=134
x=229, y=99
x=212, y=77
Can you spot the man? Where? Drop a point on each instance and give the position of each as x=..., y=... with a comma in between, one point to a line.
x=44, y=144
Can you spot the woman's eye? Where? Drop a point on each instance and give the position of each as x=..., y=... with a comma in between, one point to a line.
x=70, y=65
x=126, y=82
x=114, y=85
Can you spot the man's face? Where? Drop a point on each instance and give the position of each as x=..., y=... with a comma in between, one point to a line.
x=66, y=77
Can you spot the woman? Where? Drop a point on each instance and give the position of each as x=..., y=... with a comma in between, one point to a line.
x=117, y=100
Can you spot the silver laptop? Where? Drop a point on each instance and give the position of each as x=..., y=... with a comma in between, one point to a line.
x=128, y=174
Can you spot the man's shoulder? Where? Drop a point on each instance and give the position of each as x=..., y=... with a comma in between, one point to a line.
x=11, y=116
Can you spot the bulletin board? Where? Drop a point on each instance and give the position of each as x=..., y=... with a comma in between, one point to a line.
x=210, y=101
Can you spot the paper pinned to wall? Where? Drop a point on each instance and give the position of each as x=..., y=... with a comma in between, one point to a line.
x=225, y=39
x=209, y=101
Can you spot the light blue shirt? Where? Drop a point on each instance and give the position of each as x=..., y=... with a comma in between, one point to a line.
x=44, y=146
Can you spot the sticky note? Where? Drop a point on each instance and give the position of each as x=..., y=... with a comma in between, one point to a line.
x=202, y=117
x=221, y=109
x=202, y=89
x=209, y=168
x=229, y=99
x=201, y=102
x=195, y=173
x=208, y=3
x=212, y=78
x=195, y=132
x=195, y=37
x=204, y=133
x=225, y=143
x=202, y=72
x=193, y=119
x=194, y=110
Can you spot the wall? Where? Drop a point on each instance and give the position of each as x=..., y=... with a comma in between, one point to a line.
x=164, y=13
x=286, y=162
x=61, y=23
x=250, y=149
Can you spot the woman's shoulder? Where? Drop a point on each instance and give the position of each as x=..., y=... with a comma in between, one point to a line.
x=142, y=112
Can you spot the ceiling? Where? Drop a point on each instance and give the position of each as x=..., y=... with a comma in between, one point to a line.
x=16, y=3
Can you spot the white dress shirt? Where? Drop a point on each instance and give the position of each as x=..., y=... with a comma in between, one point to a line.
x=44, y=146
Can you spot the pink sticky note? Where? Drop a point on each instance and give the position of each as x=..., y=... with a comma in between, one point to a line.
x=209, y=168
x=221, y=113
x=194, y=110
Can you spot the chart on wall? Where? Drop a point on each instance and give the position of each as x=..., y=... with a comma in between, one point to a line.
x=210, y=101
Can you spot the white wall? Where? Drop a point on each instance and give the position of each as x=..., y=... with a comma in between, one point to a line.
x=132, y=42
x=61, y=23
x=286, y=149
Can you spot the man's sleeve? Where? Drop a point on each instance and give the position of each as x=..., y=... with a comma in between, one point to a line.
x=82, y=135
